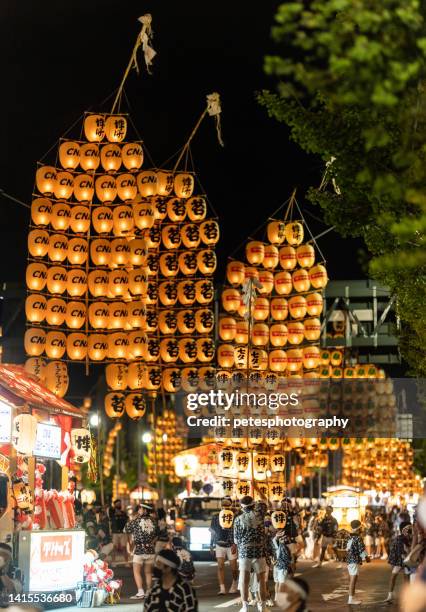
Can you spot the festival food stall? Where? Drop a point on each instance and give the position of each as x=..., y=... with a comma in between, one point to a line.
x=42, y=437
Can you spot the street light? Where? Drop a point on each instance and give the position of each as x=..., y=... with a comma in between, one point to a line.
x=94, y=420
x=146, y=438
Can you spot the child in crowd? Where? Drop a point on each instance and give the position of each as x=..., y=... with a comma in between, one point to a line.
x=356, y=554
x=283, y=560
x=400, y=547
x=186, y=567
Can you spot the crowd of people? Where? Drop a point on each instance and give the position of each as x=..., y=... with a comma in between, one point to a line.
x=262, y=558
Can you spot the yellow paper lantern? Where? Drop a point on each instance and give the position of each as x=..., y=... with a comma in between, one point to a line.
x=312, y=329
x=167, y=321
x=311, y=357
x=76, y=282
x=205, y=349
x=170, y=235
x=41, y=210
x=57, y=379
x=186, y=292
x=294, y=233
x=227, y=328
x=24, y=434
x=275, y=232
x=137, y=315
x=97, y=347
x=56, y=343
x=266, y=279
x=114, y=405
x=94, y=127
x=115, y=128
x=287, y=258
x=204, y=320
x=300, y=279
x=260, y=334
x=111, y=157
x=277, y=360
x=80, y=219
x=38, y=243
x=305, y=254
x=75, y=316
x=76, y=344
x=132, y=155
x=116, y=376
x=135, y=406
x=138, y=281
x=123, y=221
x=279, y=309
x=36, y=276
x=35, y=366
x=187, y=350
x=206, y=261
x=278, y=334
x=118, y=283
x=97, y=282
x=84, y=187
x=271, y=258
x=225, y=356
x=120, y=252
x=204, y=291
x=56, y=279
x=55, y=311
x=147, y=183
x=137, y=345
x=209, y=232
x=136, y=375
x=77, y=251
x=100, y=252
x=165, y=182
x=318, y=276
x=243, y=488
x=58, y=247
x=61, y=216
x=184, y=184
x=296, y=332
x=169, y=350
x=46, y=180
x=143, y=214
x=34, y=341
x=89, y=157
x=118, y=313
x=283, y=283
x=314, y=304
x=168, y=294
x=102, y=219
x=126, y=187
x=255, y=252
x=196, y=208
x=106, y=188
x=35, y=308
x=64, y=185
x=69, y=155
x=235, y=272
x=118, y=345
x=294, y=360
x=260, y=309
x=231, y=300
x=241, y=332
x=297, y=307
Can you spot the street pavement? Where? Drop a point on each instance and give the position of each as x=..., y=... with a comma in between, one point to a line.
x=328, y=586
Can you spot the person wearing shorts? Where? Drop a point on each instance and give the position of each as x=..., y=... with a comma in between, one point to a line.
x=399, y=549
x=222, y=542
x=118, y=520
x=142, y=534
x=283, y=560
x=356, y=554
x=328, y=527
x=249, y=536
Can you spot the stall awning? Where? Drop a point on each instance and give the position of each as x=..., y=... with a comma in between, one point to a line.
x=19, y=388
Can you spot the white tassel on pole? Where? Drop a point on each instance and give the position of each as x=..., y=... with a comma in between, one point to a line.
x=214, y=110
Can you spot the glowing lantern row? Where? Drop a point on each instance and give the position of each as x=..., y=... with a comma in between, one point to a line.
x=90, y=156
x=53, y=374
x=63, y=185
x=117, y=404
x=276, y=360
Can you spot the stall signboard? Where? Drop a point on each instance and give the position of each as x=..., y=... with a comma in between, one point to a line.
x=56, y=560
x=5, y=423
x=48, y=441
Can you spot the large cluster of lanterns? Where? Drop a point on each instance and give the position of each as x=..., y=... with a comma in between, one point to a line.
x=170, y=436
x=382, y=464
x=271, y=305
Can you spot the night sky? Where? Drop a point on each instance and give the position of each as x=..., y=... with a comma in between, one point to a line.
x=62, y=58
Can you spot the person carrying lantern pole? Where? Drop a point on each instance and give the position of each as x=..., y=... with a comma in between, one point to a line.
x=249, y=536
x=222, y=541
x=328, y=527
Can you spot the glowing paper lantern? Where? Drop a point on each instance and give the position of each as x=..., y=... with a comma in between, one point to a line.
x=135, y=406
x=318, y=276
x=64, y=185
x=80, y=445
x=241, y=332
x=235, y=272
x=55, y=311
x=297, y=306
x=287, y=258
x=147, y=183
x=294, y=360
x=260, y=309
x=137, y=315
x=278, y=519
x=126, y=187
x=206, y=261
x=278, y=334
x=170, y=235
x=169, y=350
x=312, y=329
x=89, y=157
x=137, y=345
x=80, y=219
x=76, y=345
x=231, y=300
x=76, y=282
x=56, y=279
x=277, y=360
x=106, y=188
x=305, y=254
x=255, y=252
x=38, y=243
x=98, y=283
x=205, y=350
x=184, y=184
x=41, y=209
x=97, y=347
x=114, y=405
x=61, y=216
x=55, y=344
x=260, y=334
x=314, y=304
x=120, y=252
x=138, y=281
x=57, y=379
x=225, y=355
x=123, y=221
x=271, y=258
x=111, y=157
x=34, y=341
x=102, y=219
x=24, y=433
x=94, y=127
x=116, y=376
x=294, y=233
x=282, y=283
x=84, y=188
x=132, y=155
x=69, y=155
x=75, y=316
x=143, y=214
x=46, y=180
x=35, y=308
x=115, y=128
x=118, y=345
x=77, y=251
x=118, y=283
x=266, y=279
x=153, y=378
x=311, y=357
x=227, y=328
x=296, y=332
x=58, y=247
x=204, y=320
x=35, y=366
x=204, y=291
